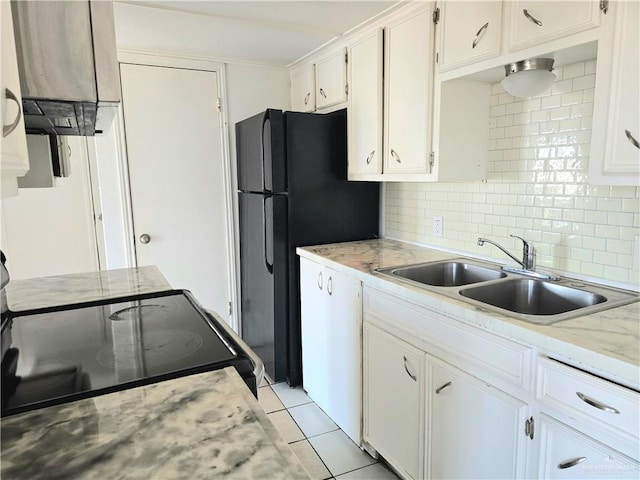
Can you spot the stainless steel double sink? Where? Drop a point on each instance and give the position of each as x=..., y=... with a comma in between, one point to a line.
x=534, y=300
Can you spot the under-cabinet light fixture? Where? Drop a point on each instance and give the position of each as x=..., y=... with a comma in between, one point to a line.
x=529, y=77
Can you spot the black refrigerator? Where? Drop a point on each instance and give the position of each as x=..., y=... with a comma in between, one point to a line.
x=292, y=191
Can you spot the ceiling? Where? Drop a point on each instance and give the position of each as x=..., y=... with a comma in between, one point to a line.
x=268, y=32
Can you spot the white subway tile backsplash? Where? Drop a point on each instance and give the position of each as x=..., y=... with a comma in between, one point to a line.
x=536, y=188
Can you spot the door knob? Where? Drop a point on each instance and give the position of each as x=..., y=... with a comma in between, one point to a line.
x=145, y=238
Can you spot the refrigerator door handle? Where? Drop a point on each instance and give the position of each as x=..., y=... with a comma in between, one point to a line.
x=268, y=264
x=265, y=119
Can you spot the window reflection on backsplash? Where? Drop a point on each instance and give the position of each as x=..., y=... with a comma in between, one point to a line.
x=536, y=188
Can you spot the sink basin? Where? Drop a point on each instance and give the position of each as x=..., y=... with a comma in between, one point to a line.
x=444, y=274
x=533, y=297
x=487, y=287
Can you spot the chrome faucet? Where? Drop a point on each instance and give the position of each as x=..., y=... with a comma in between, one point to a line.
x=528, y=252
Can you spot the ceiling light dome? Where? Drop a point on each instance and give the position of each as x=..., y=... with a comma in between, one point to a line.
x=529, y=77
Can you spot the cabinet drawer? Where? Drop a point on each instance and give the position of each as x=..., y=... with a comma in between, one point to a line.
x=475, y=351
x=591, y=398
x=567, y=453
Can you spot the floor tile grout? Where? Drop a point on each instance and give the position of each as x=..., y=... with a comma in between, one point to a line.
x=306, y=438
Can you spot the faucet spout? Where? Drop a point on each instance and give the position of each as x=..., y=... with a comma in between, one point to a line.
x=523, y=263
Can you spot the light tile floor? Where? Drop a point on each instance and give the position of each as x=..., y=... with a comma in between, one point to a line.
x=324, y=450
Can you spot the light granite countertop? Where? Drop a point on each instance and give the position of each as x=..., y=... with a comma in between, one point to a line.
x=606, y=343
x=83, y=287
x=197, y=427
x=207, y=425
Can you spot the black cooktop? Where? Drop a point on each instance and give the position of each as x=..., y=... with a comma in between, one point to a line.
x=66, y=353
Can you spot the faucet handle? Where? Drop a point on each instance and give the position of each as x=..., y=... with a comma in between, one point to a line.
x=528, y=253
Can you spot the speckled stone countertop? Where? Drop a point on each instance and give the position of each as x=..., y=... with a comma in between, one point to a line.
x=197, y=427
x=606, y=343
x=83, y=287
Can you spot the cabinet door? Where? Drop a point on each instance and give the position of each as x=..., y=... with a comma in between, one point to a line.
x=567, y=453
x=393, y=401
x=303, y=90
x=341, y=398
x=533, y=22
x=331, y=308
x=469, y=32
x=315, y=331
x=15, y=160
x=407, y=100
x=331, y=80
x=620, y=163
x=365, y=107
x=477, y=431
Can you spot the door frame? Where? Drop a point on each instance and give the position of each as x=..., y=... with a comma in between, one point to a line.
x=161, y=59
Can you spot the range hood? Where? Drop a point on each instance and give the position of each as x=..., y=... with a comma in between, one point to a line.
x=67, y=64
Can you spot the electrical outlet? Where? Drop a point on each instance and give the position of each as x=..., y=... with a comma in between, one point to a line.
x=437, y=226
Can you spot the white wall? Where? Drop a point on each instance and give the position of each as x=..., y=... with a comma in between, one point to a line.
x=49, y=231
x=537, y=188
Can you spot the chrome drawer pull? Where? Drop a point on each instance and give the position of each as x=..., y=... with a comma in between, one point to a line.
x=395, y=156
x=370, y=157
x=531, y=17
x=477, y=37
x=596, y=404
x=415, y=379
x=330, y=286
x=630, y=137
x=571, y=463
x=306, y=98
x=7, y=129
x=439, y=389
x=320, y=280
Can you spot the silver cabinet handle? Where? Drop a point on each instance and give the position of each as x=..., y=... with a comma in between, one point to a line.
x=406, y=369
x=571, y=463
x=145, y=238
x=594, y=403
x=531, y=17
x=439, y=389
x=395, y=156
x=306, y=98
x=322, y=93
x=330, y=286
x=7, y=129
x=630, y=137
x=320, y=280
x=370, y=157
x=476, y=39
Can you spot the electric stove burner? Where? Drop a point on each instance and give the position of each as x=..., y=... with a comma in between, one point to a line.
x=134, y=313
x=155, y=348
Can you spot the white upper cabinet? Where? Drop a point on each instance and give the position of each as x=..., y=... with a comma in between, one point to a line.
x=365, y=106
x=303, y=89
x=533, y=22
x=331, y=80
x=615, y=152
x=470, y=32
x=15, y=160
x=407, y=99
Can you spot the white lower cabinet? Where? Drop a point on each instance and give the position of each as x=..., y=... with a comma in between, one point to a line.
x=442, y=400
x=331, y=309
x=568, y=453
x=393, y=400
x=476, y=430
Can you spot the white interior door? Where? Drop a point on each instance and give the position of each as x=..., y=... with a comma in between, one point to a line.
x=176, y=170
